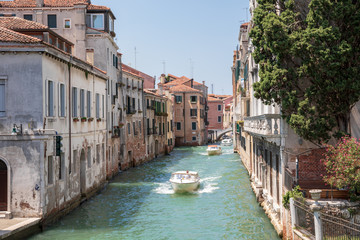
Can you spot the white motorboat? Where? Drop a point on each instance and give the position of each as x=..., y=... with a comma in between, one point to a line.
x=213, y=150
x=185, y=181
x=227, y=142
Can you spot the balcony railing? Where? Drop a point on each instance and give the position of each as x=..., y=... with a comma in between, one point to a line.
x=130, y=111
x=267, y=125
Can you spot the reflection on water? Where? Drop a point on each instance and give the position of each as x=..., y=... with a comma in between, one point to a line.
x=141, y=204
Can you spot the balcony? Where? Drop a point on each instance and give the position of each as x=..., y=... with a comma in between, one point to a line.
x=149, y=131
x=267, y=125
x=130, y=111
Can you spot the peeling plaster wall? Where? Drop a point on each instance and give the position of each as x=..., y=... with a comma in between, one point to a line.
x=31, y=194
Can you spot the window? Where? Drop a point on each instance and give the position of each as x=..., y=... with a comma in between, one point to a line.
x=62, y=166
x=50, y=98
x=134, y=128
x=89, y=157
x=82, y=103
x=178, y=126
x=140, y=127
x=194, y=139
x=193, y=99
x=129, y=129
x=193, y=125
x=2, y=98
x=97, y=105
x=193, y=112
x=103, y=106
x=168, y=126
x=28, y=17
x=67, y=23
x=139, y=104
x=219, y=119
x=74, y=103
x=163, y=128
x=88, y=104
x=97, y=21
x=98, y=153
x=111, y=24
x=178, y=99
x=62, y=100
x=50, y=170
x=52, y=21
x=219, y=107
x=159, y=128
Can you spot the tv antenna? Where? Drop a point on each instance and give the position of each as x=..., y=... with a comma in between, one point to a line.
x=246, y=10
x=164, y=66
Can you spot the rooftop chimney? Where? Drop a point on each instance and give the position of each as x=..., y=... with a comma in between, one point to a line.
x=39, y=3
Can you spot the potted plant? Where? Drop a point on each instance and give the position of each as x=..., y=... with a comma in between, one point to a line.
x=90, y=119
x=83, y=119
x=75, y=119
x=121, y=125
x=98, y=120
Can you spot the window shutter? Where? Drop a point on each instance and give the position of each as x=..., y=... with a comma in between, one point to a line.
x=2, y=98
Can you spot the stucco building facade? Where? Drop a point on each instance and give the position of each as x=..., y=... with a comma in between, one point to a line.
x=47, y=93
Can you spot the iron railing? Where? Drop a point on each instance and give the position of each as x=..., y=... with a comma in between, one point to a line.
x=335, y=228
x=304, y=219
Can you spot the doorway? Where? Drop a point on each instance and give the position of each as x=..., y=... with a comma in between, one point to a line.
x=82, y=172
x=156, y=148
x=3, y=186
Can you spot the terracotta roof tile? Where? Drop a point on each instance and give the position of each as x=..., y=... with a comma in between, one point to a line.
x=212, y=99
x=96, y=7
x=183, y=88
x=7, y=35
x=15, y=23
x=130, y=70
x=178, y=81
x=197, y=83
x=47, y=3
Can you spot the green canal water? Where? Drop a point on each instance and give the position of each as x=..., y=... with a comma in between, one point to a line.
x=140, y=204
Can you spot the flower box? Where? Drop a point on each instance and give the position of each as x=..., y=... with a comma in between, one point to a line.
x=75, y=119
x=83, y=119
x=90, y=119
x=98, y=120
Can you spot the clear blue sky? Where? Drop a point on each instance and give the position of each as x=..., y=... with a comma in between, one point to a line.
x=196, y=38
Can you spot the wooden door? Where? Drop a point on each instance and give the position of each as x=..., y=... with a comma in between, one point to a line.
x=3, y=186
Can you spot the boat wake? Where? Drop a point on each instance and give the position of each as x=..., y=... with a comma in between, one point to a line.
x=207, y=185
x=164, y=188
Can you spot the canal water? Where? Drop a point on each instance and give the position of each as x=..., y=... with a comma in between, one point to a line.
x=140, y=204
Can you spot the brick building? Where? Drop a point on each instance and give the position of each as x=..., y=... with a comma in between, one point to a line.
x=190, y=109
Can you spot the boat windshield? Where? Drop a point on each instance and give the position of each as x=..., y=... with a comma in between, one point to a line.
x=183, y=176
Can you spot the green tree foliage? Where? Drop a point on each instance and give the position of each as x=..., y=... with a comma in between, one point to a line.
x=309, y=57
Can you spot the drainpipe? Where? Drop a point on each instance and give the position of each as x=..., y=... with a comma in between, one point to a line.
x=184, y=112
x=70, y=112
